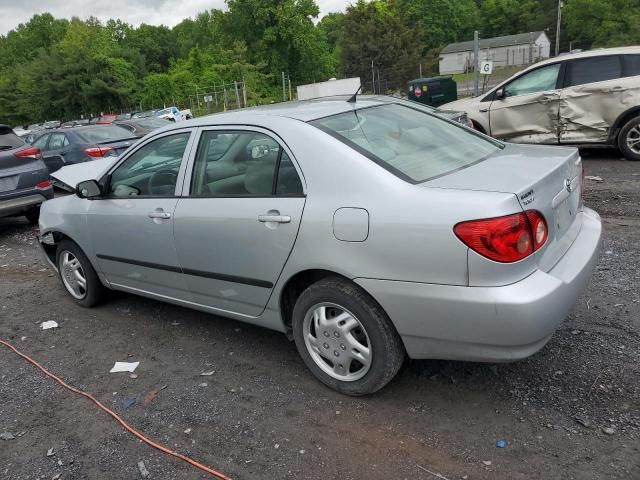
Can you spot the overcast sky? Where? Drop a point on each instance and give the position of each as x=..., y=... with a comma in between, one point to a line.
x=155, y=12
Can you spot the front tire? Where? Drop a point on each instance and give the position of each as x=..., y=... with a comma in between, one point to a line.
x=629, y=139
x=78, y=276
x=345, y=338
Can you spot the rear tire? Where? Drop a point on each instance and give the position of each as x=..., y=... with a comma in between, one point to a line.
x=345, y=338
x=629, y=139
x=78, y=276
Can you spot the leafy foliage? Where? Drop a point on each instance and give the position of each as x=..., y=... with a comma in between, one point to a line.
x=58, y=68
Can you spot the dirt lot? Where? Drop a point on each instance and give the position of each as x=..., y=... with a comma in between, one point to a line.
x=262, y=415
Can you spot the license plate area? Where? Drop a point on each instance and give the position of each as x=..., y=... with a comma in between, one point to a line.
x=8, y=183
x=564, y=215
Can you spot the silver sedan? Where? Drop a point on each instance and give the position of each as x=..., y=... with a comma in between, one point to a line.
x=368, y=231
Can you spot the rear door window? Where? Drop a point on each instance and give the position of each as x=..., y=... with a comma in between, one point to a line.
x=631, y=65
x=41, y=142
x=58, y=141
x=592, y=70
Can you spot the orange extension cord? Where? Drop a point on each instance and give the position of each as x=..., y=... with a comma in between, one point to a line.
x=116, y=416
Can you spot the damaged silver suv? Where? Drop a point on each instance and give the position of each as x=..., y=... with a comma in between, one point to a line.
x=578, y=99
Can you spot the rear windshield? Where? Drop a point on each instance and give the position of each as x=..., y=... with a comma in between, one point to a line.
x=412, y=144
x=103, y=134
x=9, y=140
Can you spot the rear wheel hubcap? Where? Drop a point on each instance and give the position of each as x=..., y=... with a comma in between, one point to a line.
x=337, y=342
x=73, y=276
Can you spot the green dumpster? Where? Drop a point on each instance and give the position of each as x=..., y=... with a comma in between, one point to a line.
x=434, y=91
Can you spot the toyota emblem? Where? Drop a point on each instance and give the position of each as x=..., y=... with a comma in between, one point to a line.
x=567, y=185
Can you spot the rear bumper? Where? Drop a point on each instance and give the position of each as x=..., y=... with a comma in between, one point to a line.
x=17, y=205
x=490, y=323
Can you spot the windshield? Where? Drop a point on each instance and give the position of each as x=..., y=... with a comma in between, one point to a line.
x=164, y=112
x=103, y=134
x=411, y=143
x=151, y=123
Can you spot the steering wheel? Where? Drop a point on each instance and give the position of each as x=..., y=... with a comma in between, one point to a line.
x=163, y=182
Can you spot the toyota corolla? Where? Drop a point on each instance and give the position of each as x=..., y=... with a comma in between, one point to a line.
x=367, y=230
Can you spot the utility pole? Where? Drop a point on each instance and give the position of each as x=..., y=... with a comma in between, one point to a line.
x=476, y=63
x=284, y=89
x=235, y=84
x=560, y=5
x=379, y=89
x=420, y=70
x=373, y=78
x=244, y=91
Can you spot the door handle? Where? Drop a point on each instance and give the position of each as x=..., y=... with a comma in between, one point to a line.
x=159, y=214
x=274, y=218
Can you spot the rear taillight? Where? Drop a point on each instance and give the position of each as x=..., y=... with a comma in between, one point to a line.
x=43, y=185
x=505, y=239
x=97, y=151
x=29, y=152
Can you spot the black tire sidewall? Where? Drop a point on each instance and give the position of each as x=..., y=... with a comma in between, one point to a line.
x=95, y=289
x=622, y=140
x=386, y=346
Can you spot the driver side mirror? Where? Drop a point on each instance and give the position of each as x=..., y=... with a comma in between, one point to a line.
x=88, y=189
x=501, y=94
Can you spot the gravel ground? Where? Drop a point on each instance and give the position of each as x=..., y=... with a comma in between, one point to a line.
x=261, y=414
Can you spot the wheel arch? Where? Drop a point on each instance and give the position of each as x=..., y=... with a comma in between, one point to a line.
x=298, y=283
x=622, y=119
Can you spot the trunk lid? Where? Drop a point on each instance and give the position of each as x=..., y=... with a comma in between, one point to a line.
x=547, y=179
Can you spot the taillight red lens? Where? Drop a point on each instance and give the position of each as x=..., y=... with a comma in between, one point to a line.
x=505, y=239
x=97, y=151
x=43, y=185
x=29, y=152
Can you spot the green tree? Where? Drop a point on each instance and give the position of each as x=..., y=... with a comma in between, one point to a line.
x=377, y=35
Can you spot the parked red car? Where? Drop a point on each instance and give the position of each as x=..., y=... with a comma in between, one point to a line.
x=106, y=119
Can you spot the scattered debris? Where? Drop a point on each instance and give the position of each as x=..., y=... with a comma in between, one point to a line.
x=203, y=384
x=128, y=402
x=133, y=375
x=56, y=476
x=276, y=446
x=437, y=475
x=150, y=396
x=175, y=324
x=49, y=324
x=23, y=338
x=143, y=469
x=609, y=430
x=207, y=374
x=50, y=452
x=583, y=421
x=302, y=452
x=6, y=436
x=124, y=367
x=501, y=444
x=487, y=462
x=187, y=431
x=593, y=178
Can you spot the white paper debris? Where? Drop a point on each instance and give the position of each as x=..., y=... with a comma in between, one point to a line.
x=49, y=324
x=207, y=374
x=124, y=367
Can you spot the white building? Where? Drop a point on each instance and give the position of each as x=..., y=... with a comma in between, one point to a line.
x=520, y=49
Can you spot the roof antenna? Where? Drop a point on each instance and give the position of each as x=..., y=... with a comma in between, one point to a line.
x=352, y=99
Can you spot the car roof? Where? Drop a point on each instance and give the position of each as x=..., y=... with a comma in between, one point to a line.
x=303, y=110
x=590, y=53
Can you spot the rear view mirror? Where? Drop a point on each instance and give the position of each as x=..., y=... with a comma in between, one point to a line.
x=500, y=94
x=88, y=189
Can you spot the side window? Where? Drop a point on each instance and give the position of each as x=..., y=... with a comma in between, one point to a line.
x=235, y=163
x=58, y=140
x=538, y=80
x=41, y=142
x=152, y=170
x=591, y=70
x=631, y=65
x=288, y=182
